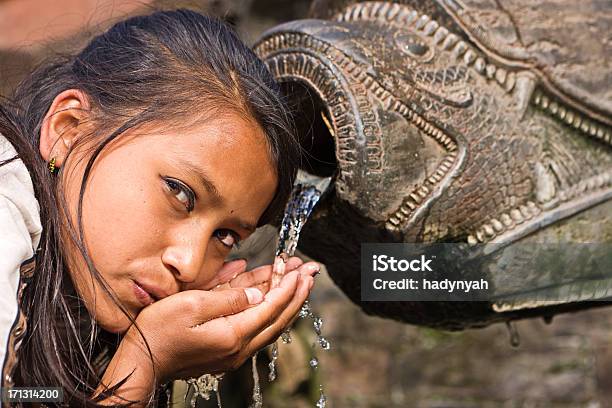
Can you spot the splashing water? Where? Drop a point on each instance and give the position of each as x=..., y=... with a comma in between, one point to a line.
x=314, y=362
x=305, y=311
x=286, y=337
x=324, y=343
x=317, y=323
x=167, y=389
x=203, y=386
x=272, y=364
x=322, y=402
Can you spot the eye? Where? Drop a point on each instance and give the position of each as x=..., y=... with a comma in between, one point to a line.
x=228, y=238
x=183, y=194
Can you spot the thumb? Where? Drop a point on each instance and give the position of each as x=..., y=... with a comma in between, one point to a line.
x=208, y=305
x=232, y=301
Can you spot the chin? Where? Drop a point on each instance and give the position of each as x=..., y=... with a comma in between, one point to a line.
x=115, y=322
x=116, y=328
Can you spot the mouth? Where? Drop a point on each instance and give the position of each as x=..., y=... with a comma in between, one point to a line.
x=144, y=296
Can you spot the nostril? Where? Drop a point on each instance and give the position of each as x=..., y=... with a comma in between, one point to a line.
x=173, y=270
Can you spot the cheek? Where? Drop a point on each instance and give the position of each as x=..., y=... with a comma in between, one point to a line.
x=120, y=218
x=122, y=221
x=213, y=262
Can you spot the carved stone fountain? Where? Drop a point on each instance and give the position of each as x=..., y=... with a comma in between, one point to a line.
x=452, y=121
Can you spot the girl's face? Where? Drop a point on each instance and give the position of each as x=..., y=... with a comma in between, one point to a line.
x=163, y=209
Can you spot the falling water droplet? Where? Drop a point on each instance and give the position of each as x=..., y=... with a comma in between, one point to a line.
x=305, y=310
x=324, y=343
x=272, y=364
x=257, y=397
x=515, y=339
x=286, y=337
x=167, y=387
x=191, y=384
x=314, y=362
x=218, y=399
x=317, y=323
x=272, y=373
x=322, y=402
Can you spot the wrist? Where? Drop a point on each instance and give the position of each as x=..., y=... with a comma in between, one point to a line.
x=131, y=361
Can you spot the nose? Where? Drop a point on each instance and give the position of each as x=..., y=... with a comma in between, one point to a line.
x=185, y=257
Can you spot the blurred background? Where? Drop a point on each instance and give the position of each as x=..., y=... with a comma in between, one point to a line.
x=372, y=362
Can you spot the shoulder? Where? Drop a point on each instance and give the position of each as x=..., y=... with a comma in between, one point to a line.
x=20, y=231
x=19, y=209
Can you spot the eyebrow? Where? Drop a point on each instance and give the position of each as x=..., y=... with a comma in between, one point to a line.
x=212, y=189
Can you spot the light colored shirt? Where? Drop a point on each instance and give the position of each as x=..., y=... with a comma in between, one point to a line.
x=20, y=231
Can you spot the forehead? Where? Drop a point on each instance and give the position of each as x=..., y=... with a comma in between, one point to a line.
x=229, y=150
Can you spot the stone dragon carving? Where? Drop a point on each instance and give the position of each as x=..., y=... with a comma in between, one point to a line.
x=451, y=121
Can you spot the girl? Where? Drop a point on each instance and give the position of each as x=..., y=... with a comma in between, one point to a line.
x=127, y=174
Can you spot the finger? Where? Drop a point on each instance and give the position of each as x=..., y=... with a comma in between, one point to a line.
x=252, y=321
x=259, y=276
x=227, y=272
x=252, y=278
x=285, y=320
x=309, y=268
x=293, y=263
x=264, y=287
x=201, y=306
x=280, y=269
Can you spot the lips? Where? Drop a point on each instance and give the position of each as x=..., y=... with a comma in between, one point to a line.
x=142, y=295
x=148, y=293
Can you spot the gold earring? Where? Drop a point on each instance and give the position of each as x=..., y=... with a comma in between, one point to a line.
x=52, y=165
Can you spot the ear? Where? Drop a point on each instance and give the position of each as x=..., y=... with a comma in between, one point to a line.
x=62, y=125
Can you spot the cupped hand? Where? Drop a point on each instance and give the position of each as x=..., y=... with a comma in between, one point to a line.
x=197, y=331
x=233, y=274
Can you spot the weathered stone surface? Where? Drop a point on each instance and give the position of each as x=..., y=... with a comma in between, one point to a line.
x=439, y=137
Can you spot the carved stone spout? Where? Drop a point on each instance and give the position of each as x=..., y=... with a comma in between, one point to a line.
x=451, y=121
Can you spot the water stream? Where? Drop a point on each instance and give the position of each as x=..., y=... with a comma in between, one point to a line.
x=306, y=193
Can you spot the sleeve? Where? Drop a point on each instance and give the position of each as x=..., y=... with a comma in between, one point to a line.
x=20, y=231
x=15, y=248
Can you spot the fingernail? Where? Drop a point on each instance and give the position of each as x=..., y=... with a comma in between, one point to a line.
x=314, y=267
x=254, y=295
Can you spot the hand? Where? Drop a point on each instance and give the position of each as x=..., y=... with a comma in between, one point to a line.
x=233, y=274
x=196, y=331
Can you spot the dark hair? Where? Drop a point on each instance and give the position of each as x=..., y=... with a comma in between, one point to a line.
x=160, y=69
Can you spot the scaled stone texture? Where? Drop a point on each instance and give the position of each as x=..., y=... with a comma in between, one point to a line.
x=452, y=121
